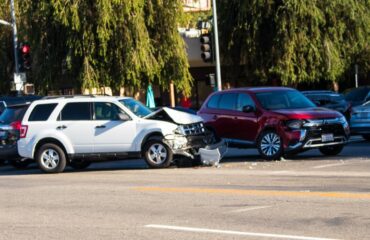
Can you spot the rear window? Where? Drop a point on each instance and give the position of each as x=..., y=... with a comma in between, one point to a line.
x=41, y=112
x=12, y=114
x=326, y=99
x=76, y=112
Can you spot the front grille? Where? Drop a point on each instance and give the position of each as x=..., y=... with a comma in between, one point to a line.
x=335, y=129
x=193, y=129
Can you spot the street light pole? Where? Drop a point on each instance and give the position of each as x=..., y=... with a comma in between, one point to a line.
x=217, y=48
x=15, y=38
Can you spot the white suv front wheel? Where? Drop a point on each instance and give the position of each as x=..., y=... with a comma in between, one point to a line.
x=51, y=158
x=157, y=154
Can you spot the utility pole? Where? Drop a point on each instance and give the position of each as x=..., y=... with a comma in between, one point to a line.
x=15, y=37
x=356, y=75
x=217, y=48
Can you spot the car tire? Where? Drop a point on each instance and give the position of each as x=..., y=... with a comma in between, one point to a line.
x=366, y=137
x=331, y=150
x=79, y=164
x=270, y=145
x=157, y=154
x=51, y=158
x=20, y=163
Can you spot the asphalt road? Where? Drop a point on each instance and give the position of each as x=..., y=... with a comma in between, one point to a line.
x=308, y=197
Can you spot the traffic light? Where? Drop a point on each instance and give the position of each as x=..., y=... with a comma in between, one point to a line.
x=206, y=47
x=24, y=57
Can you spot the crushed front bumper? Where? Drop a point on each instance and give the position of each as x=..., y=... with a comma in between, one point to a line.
x=195, y=146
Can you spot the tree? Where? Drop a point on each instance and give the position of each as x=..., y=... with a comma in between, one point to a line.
x=294, y=41
x=98, y=43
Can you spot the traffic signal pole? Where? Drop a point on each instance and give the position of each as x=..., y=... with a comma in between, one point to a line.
x=15, y=37
x=217, y=48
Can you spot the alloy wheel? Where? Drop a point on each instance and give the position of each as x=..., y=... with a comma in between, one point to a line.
x=270, y=144
x=50, y=158
x=157, y=154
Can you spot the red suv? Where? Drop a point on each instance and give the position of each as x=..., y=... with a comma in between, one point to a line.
x=275, y=120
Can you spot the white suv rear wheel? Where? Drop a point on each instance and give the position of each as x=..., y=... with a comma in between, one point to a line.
x=51, y=158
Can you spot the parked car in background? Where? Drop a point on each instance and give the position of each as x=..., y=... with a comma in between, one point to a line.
x=13, y=100
x=77, y=130
x=331, y=100
x=357, y=96
x=360, y=120
x=10, y=132
x=275, y=120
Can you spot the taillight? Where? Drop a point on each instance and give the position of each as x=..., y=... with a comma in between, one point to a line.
x=17, y=125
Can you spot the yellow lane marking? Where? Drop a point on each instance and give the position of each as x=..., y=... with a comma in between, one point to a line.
x=269, y=193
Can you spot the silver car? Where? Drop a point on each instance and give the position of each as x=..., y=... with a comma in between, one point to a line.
x=360, y=120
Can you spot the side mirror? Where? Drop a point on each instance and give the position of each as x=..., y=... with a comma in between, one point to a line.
x=123, y=117
x=248, y=109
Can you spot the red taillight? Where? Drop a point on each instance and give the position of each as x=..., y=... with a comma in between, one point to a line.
x=17, y=125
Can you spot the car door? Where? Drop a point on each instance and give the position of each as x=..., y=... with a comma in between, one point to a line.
x=75, y=122
x=111, y=134
x=246, y=122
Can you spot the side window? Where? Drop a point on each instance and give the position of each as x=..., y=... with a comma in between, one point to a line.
x=228, y=101
x=42, y=112
x=76, y=111
x=213, y=102
x=106, y=111
x=244, y=100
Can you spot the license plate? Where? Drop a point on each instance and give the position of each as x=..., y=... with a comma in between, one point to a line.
x=2, y=133
x=327, y=137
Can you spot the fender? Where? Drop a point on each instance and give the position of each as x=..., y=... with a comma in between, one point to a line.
x=57, y=135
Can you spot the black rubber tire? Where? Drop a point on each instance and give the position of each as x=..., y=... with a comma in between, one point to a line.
x=61, y=154
x=146, y=153
x=331, y=150
x=20, y=163
x=277, y=155
x=366, y=137
x=79, y=164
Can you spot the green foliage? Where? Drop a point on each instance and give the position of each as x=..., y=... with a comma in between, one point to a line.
x=294, y=41
x=116, y=43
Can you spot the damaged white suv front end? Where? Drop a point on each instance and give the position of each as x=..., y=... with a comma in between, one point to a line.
x=183, y=133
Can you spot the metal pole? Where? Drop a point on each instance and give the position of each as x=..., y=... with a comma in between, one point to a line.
x=356, y=75
x=15, y=38
x=215, y=29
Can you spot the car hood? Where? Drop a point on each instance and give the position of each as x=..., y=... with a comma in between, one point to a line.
x=309, y=113
x=175, y=116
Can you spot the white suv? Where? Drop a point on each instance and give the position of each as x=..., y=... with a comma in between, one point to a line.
x=77, y=130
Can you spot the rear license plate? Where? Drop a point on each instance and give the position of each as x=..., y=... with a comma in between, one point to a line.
x=327, y=137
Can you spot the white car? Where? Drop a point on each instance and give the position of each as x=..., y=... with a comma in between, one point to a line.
x=77, y=130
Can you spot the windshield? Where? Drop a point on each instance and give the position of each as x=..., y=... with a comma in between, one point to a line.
x=136, y=107
x=357, y=94
x=12, y=114
x=285, y=99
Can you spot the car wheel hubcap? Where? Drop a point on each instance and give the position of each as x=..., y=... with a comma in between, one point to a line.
x=270, y=144
x=50, y=158
x=157, y=154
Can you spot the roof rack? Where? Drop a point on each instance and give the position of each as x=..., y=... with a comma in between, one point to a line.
x=74, y=96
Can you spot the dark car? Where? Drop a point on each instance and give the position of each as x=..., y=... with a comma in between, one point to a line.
x=13, y=100
x=10, y=131
x=357, y=96
x=331, y=100
x=275, y=120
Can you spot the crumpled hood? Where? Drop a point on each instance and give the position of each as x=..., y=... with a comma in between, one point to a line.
x=168, y=114
x=309, y=113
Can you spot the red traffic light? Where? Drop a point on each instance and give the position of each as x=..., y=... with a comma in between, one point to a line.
x=26, y=49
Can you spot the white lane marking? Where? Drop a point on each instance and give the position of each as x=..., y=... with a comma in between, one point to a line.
x=330, y=165
x=206, y=230
x=248, y=209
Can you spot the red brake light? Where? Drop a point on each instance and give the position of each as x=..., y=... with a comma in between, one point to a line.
x=17, y=125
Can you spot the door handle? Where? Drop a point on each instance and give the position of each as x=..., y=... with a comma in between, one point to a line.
x=101, y=126
x=61, y=127
x=214, y=117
